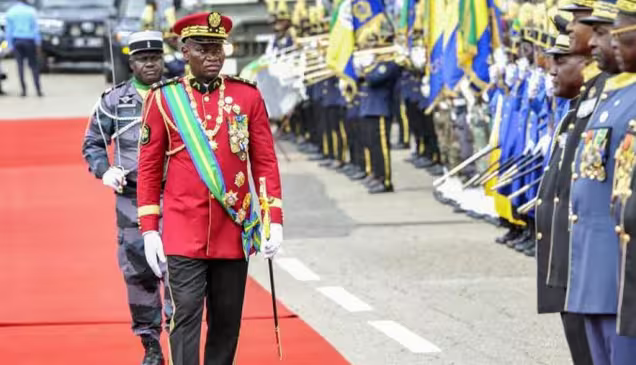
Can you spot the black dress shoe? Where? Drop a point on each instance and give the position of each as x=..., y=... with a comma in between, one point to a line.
x=358, y=176
x=530, y=251
x=525, y=236
x=352, y=171
x=423, y=162
x=316, y=157
x=436, y=170
x=153, y=355
x=411, y=158
x=522, y=246
x=326, y=163
x=370, y=180
x=512, y=234
x=380, y=188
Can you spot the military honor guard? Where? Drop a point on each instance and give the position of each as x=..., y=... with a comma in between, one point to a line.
x=593, y=282
x=117, y=119
x=199, y=132
x=566, y=70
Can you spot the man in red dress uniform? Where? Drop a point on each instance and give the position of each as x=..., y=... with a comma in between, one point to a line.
x=198, y=134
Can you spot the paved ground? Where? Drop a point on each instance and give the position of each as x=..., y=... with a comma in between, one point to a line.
x=356, y=265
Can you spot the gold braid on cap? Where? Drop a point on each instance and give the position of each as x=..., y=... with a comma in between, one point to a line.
x=626, y=6
x=623, y=30
x=604, y=9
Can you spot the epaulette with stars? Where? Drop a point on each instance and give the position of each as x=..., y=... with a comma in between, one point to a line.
x=114, y=87
x=240, y=79
x=162, y=83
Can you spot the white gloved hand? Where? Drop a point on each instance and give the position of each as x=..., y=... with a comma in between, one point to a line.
x=418, y=57
x=115, y=178
x=269, y=247
x=549, y=86
x=543, y=145
x=510, y=75
x=153, y=249
x=533, y=83
x=425, y=87
x=523, y=65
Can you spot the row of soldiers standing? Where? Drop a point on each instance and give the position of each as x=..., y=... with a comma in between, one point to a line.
x=347, y=126
x=549, y=146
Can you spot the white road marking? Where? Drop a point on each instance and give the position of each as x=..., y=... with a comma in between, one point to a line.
x=405, y=337
x=345, y=299
x=296, y=269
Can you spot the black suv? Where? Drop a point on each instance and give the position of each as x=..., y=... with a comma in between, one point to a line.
x=126, y=21
x=73, y=30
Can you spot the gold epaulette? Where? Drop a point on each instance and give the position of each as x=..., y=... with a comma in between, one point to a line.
x=240, y=79
x=162, y=83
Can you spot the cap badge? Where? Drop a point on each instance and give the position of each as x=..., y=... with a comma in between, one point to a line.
x=214, y=19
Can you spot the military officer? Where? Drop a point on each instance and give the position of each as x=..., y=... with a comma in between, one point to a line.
x=202, y=130
x=566, y=69
x=592, y=278
x=594, y=79
x=117, y=118
x=172, y=57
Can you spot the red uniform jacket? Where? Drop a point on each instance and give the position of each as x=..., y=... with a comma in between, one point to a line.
x=194, y=224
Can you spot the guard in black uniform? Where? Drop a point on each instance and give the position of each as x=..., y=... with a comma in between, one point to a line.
x=566, y=70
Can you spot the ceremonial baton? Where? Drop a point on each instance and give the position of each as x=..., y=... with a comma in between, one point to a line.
x=273, y=289
x=511, y=161
x=483, y=152
x=524, y=189
x=511, y=179
x=527, y=207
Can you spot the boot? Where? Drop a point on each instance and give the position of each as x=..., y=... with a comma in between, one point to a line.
x=153, y=355
x=525, y=236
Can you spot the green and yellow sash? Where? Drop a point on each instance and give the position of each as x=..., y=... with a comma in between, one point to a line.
x=202, y=155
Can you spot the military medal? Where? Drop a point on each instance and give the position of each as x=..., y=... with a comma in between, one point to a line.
x=210, y=133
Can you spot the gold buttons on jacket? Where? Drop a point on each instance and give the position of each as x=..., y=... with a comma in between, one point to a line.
x=575, y=176
x=556, y=200
x=618, y=229
x=539, y=236
x=625, y=238
x=539, y=201
x=208, y=117
x=206, y=98
x=574, y=218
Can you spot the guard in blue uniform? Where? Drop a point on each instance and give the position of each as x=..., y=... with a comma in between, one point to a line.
x=334, y=122
x=117, y=119
x=377, y=86
x=593, y=279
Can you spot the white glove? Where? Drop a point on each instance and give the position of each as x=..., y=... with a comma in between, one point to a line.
x=425, y=87
x=533, y=83
x=511, y=74
x=418, y=57
x=543, y=145
x=523, y=65
x=153, y=248
x=115, y=178
x=500, y=58
x=549, y=86
x=269, y=247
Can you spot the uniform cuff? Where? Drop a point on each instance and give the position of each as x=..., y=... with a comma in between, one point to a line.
x=101, y=169
x=149, y=223
x=276, y=215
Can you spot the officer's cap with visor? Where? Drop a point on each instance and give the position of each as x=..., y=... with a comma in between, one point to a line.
x=204, y=27
x=578, y=5
x=604, y=13
x=628, y=8
x=561, y=46
x=147, y=40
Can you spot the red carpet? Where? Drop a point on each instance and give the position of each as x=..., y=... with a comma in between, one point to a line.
x=63, y=300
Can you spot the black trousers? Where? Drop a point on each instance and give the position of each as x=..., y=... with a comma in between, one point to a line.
x=403, y=119
x=26, y=50
x=378, y=144
x=222, y=284
x=354, y=142
x=574, y=327
x=335, y=134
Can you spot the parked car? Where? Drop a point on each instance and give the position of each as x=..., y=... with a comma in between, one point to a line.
x=127, y=20
x=73, y=30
